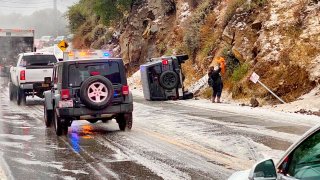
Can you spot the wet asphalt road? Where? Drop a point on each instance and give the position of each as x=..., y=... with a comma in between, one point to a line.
x=167, y=141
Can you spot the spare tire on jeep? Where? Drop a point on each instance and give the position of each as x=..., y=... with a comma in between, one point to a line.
x=96, y=92
x=169, y=80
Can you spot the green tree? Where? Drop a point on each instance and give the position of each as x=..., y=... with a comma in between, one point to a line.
x=111, y=10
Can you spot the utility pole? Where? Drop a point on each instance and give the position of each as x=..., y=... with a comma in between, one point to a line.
x=55, y=14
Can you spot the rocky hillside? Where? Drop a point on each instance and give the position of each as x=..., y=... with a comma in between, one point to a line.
x=277, y=39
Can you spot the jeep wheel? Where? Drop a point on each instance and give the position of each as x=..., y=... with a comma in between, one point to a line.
x=21, y=96
x=60, y=127
x=96, y=92
x=169, y=80
x=47, y=116
x=124, y=121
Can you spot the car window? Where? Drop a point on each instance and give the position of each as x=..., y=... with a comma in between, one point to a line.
x=305, y=160
x=38, y=60
x=80, y=72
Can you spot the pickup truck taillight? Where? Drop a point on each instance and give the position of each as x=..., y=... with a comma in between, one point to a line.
x=65, y=94
x=22, y=75
x=125, y=90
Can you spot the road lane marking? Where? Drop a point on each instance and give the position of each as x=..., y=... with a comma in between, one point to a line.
x=227, y=160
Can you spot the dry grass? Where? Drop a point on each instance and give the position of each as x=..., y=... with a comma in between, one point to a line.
x=287, y=81
x=206, y=93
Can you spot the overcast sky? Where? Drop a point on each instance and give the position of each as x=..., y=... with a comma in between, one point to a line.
x=27, y=7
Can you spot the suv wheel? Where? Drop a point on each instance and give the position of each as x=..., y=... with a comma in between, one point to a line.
x=169, y=80
x=60, y=126
x=96, y=92
x=21, y=97
x=124, y=121
x=47, y=116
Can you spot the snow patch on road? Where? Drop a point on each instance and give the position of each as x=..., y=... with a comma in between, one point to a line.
x=12, y=144
x=17, y=137
x=56, y=165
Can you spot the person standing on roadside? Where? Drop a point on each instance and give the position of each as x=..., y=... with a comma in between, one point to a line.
x=215, y=81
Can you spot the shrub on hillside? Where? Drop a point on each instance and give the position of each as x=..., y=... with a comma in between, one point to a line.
x=192, y=38
x=240, y=72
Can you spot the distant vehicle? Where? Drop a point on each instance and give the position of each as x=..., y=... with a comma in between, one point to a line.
x=162, y=78
x=38, y=43
x=70, y=37
x=47, y=40
x=59, y=39
x=92, y=89
x=27, y=77
x=300, y=161
x=13, y=42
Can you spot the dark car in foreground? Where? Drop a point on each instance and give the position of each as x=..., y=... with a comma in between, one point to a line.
x=92, y=90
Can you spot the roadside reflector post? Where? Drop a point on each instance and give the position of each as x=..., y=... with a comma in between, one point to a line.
x=255, y=79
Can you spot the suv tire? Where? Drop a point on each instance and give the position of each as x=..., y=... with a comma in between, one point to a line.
x=96, y=92
x=21, y=97
x=48, y=116
x=60, y=126
x=169, y=80
x=124, y=121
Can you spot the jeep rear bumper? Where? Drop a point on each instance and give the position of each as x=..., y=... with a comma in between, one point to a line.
x=75, y=113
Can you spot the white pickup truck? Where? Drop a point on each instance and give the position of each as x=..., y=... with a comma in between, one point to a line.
x=31, y=76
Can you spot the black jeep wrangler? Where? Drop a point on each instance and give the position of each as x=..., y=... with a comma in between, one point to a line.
x=89, y=90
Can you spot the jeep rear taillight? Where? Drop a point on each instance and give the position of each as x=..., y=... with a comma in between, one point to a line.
x=22, y=75
x=165, y=62
x=125, y=90
x=65, y=94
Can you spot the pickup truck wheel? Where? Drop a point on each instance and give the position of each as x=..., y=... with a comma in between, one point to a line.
x=21, y=96
x=124, y=121
x=60, y=126
x=48, y=116
x=11, y=91
x=96, y=92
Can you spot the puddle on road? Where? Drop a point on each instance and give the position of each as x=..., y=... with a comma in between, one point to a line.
x=129, y=170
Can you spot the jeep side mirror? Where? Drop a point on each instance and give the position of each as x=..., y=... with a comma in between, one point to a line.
x=60, y=59
x=264, y=170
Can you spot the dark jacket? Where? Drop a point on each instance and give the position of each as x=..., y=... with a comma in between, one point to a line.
x=215, y=75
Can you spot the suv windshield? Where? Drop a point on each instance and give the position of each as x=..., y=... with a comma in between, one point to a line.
x=38, y=60
x=80, y=72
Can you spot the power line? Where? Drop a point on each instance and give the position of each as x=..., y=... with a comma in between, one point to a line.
x=17, y=2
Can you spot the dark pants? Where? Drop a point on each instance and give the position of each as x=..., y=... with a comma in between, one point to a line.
x=217, y=90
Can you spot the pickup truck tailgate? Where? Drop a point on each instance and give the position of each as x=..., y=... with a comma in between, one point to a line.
x=37, y=74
